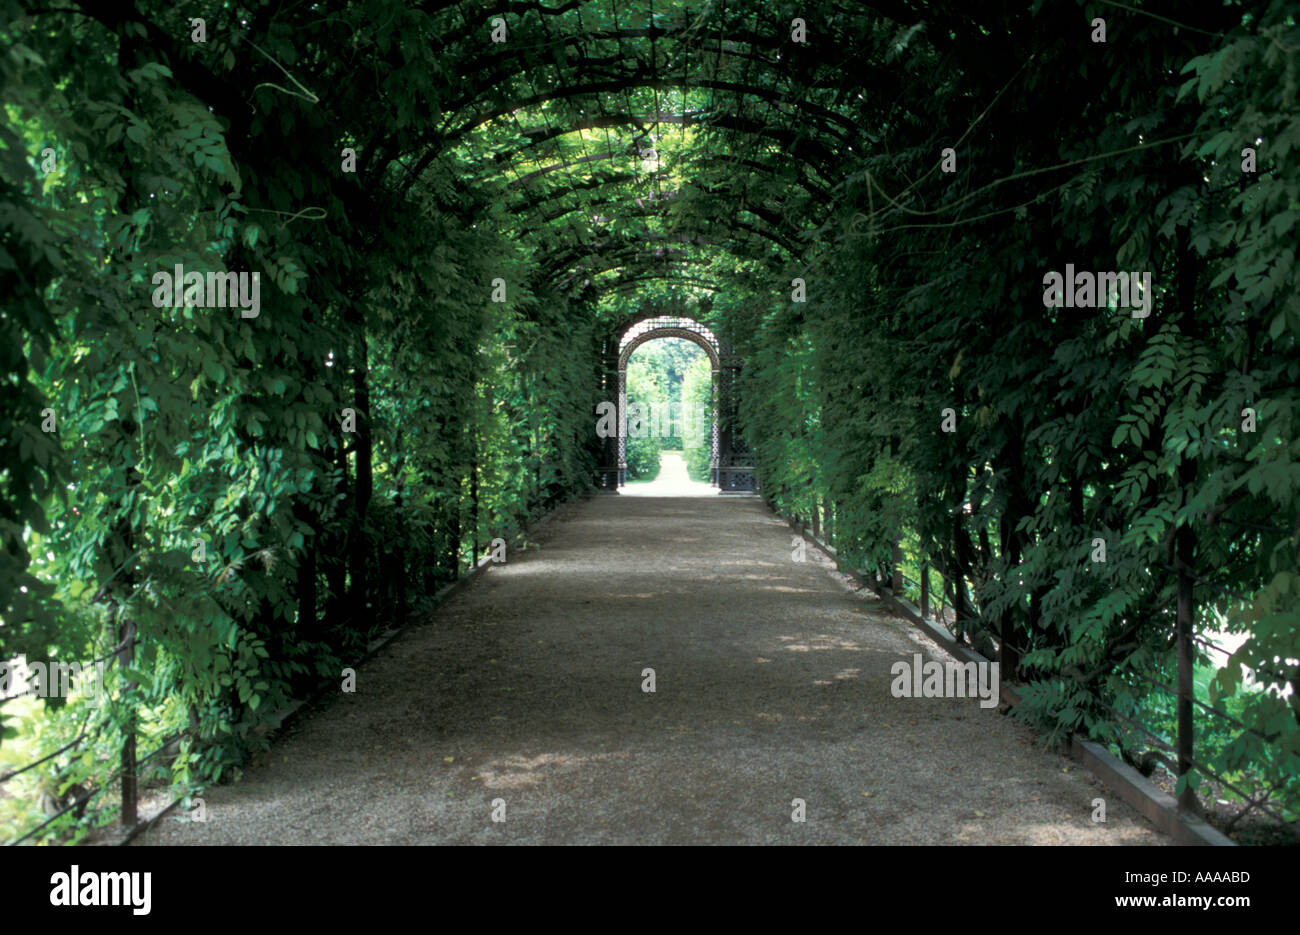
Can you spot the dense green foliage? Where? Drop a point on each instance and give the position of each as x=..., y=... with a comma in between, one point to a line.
x=697, y=397
x=246, y=501
x=1070, y=425
x=176, y=426
x=648, y=388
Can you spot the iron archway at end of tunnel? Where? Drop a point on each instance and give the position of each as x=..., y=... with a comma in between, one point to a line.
x=731, y=467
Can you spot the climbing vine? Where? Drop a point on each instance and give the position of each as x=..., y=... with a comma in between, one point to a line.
x=305, y=307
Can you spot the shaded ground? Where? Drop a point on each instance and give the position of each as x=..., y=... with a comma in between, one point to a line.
x=772, y=683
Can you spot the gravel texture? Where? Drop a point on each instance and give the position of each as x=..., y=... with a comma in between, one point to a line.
x=772, y=683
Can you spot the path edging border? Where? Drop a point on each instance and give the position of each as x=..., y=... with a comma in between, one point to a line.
x=1153, y=803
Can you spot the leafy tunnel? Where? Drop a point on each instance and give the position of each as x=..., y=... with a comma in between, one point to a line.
x=456, y=211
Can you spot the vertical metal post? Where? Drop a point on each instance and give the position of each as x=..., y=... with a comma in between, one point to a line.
x=622, y=426
x=1185, y=547
x=126, y=657
x=897, y=583
x=473, y=499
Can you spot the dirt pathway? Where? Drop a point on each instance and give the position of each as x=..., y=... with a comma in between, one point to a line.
x=772, y=683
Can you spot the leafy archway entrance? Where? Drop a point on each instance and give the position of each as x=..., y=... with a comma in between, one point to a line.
x=730, y=463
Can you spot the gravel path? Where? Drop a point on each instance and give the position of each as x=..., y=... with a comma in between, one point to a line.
x=772, y=683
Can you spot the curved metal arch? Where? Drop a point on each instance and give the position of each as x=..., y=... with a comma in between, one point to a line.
x=637, y=282
x=824, y=117
x=572, y=259
x=775, y=236
x=779, y=234
x=517, y=56
x=600, y=181
x=618, y=200
x=802, y=146
x=590, y=184
x=667, y=307
x=523, y=180
x=771, y=229
x=731, y=160
x=802, y=181
x=722, y=39
x=770, y=226
x=576, y=255
x=539, y=135
x=669, y=327
x=699, y=252
x=729, y=34
x=675, y=263
x=646, y=273
x=807, y=147
x=733, y=30
x=652, y=246
x=781, y=79
x=708, y=343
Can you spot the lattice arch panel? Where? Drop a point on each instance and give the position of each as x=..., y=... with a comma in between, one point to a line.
x=724, y=470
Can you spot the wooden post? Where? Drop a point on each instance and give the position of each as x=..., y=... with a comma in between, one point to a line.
x=925, y=590
x=816, y=517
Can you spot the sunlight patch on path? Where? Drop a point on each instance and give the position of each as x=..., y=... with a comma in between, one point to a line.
x=673, y=480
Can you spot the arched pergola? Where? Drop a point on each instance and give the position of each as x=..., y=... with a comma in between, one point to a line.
x=730, y=467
